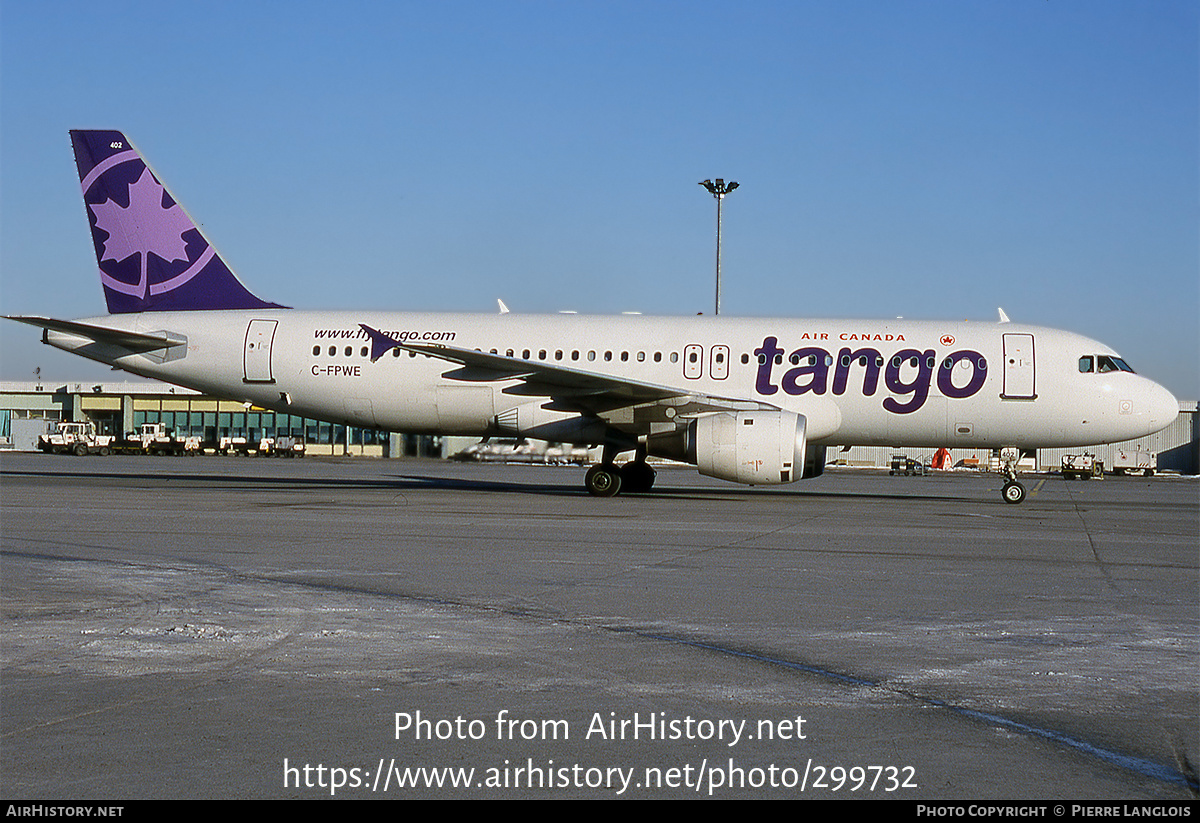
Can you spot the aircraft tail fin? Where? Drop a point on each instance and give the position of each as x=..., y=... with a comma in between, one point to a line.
x=152, y=255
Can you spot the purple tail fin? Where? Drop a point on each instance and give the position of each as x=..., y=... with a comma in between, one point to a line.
x=152, y=255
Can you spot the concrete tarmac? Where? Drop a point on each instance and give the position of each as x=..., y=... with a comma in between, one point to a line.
x=228, y=628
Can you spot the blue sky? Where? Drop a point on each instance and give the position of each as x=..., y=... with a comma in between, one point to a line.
x=924, y=159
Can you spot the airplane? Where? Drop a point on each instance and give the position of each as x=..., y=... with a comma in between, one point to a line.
x=752, y=400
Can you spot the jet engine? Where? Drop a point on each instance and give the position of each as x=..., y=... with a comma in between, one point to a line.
x=753, y=447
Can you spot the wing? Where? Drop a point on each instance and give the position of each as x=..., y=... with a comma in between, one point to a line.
x=632, y=406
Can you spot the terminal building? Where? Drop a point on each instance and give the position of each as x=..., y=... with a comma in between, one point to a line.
x=27, y=409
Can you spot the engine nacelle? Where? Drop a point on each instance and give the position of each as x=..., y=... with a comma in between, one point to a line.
x=754, y=447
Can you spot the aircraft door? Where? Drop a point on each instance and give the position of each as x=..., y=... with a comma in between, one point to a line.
x=718, y=369
x=1019, y=383
x=693, y=361
x=256, y=356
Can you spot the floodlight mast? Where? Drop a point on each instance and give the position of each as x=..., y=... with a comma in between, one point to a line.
x=718, y=189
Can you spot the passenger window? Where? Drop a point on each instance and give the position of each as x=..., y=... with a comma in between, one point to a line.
x=316, y=350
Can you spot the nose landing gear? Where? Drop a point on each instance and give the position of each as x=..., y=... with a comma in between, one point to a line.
x=1013, y=491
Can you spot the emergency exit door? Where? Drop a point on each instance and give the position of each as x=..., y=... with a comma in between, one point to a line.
x=256, y=359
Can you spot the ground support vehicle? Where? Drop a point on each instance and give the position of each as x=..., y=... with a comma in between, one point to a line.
x=75, y=438
x=1082, y=467
x=1135, y=460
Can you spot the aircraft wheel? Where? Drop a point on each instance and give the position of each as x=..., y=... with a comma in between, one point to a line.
x=603, y=481
x=1013, y=492
x=637, y=477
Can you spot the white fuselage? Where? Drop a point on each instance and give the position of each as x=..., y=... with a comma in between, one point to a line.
x=858, y=382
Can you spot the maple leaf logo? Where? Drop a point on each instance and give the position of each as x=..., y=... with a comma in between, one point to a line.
x=145, y=227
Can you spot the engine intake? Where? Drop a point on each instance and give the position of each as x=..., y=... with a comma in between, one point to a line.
x=753, y=447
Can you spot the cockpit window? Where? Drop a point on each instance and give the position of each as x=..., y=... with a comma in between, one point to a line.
x=1106, y=363
x=1102, y=363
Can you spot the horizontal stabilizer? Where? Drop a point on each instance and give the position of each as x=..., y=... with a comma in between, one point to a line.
x=133, y=341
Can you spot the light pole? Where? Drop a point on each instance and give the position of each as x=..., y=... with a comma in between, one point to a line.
x=718, y=190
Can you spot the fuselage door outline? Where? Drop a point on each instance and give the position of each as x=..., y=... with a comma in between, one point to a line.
x=718, y=368
x=1019, y=374
x=256, y=356
x=693, y=361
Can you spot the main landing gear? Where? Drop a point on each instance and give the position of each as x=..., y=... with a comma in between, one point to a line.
x=606, y=479
x=1013, y=491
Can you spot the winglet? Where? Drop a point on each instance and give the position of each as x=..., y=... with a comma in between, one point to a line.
x=152, y=255
x=503, y=308
x=1003, y=316
x=381, y=343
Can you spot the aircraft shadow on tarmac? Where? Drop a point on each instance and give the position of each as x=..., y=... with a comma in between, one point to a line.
x=666, y=492
x=416, y=482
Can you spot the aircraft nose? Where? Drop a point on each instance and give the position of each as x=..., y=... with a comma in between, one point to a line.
x=1164, y=408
